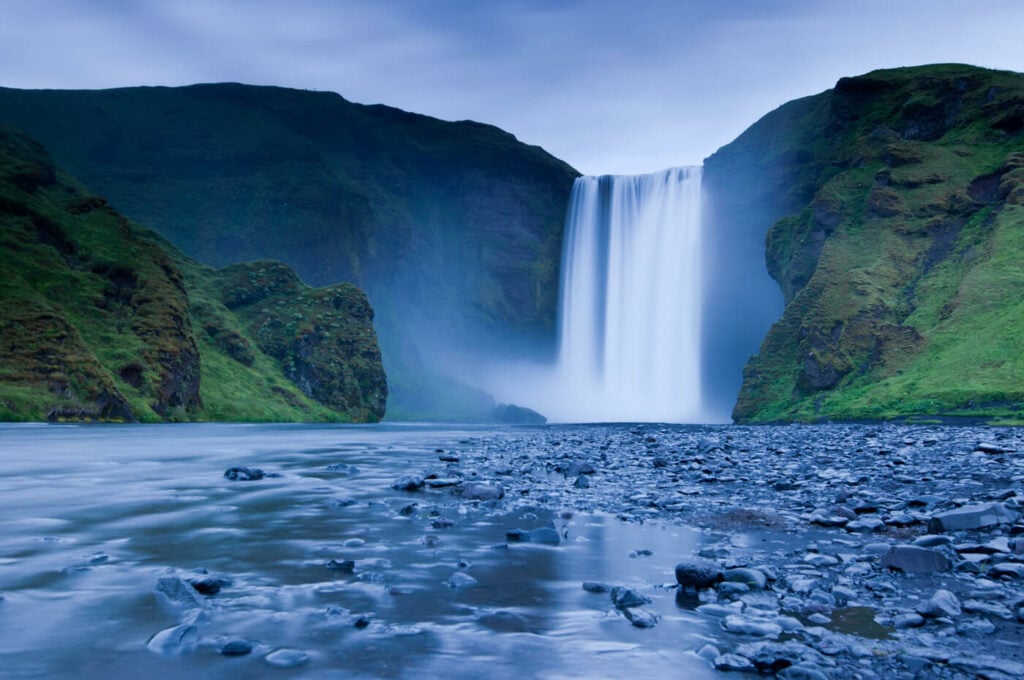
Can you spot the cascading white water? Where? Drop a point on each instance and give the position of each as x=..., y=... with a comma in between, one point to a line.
x=630, y=313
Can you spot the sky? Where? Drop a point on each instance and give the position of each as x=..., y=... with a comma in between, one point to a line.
x=609, y=86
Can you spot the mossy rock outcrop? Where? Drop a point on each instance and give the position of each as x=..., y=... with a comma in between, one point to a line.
x=103, y=320
x=896, y=236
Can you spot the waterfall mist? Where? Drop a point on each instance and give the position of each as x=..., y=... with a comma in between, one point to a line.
x=630, y=307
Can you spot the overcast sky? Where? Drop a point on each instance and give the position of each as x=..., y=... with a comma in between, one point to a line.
x=610, y=86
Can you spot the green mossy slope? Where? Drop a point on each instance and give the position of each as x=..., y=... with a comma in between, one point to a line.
x=103, y=320
x=898, y=246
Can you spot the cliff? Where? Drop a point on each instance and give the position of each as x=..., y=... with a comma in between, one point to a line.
x=103, y=320
x=893, y=207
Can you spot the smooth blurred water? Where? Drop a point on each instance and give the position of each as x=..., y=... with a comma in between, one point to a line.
x=93, y=515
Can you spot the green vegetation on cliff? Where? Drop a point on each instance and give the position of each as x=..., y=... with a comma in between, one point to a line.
x=453, y=228
x=101, y=319
x=899, y=200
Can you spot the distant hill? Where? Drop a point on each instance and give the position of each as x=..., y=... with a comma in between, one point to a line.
x=101, y=319
x=894, y=211
x=454, y=229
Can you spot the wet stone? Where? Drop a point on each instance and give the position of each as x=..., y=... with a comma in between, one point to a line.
x=244, y=474
x=971, y=517
x=544, y=535
x=624, y=598
x=697, y=574
x=596, y=587
x=345, y=566
x=913, y=559
x=237, y=647
x=408, y=483
x=286, y=658
x=942, y=603
x=175, y=640
x=641, y=618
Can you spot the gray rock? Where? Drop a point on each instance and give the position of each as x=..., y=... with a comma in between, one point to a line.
x=942, y=603
x=986, y=447
x=914, y=559
x=408, y=483
x=460, y=579
x=478, y=491
x=179, y=593
x=596, y=587
x=236, y=647
x=697, y=574
x=754, y=578
x=341, y=501
x=641, y=618
x=286, y=658
x=988, y=609
x=733, y=662
x=624, y=598
x=802, y=672
x=544, y=535
x=743, y=625
x=244, y=474
x=175, y=640
x=443, y=482
x=932, y=541
x=971, y=517
x=581, y=482
x=345, y=566
x=908, y=620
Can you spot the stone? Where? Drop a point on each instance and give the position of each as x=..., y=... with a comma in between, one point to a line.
x=478, y=491
x=179, y=593
x=596, y=587
x=341, y=501
x=581, y=482
x=754, y=578
x=209, y=584
x=408, y=483
x=624, y=598
x=986, y=447
x=286, y=658
x=442, y=482
x=971, y=517
x=641, y=618
x=802, y=672
x=995, y=609
x=697, y=574
x=544, y=535
x=932, y=541
x=460, y=579
x=174, y=640
x=914, y=559
x=743, y=625
x=733, y=662
x=907, y=620
x=244, y=474
x=346, y=566
x=237, y=647
x=942, y=603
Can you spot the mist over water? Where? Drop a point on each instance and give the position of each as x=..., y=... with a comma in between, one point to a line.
x=630, y=307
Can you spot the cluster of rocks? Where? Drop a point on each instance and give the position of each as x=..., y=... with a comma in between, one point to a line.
x=890, y=551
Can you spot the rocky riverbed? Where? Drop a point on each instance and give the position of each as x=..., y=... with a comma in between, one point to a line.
x=832, y=551
x=836, y=551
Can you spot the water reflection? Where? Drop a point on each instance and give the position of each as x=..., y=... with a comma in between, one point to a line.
x=93, y=516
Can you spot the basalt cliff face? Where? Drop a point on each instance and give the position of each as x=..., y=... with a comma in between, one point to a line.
x=101, y=319
x=894, y=211
x=454, y=229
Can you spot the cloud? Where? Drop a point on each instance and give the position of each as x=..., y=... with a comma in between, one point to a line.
x=606, y=85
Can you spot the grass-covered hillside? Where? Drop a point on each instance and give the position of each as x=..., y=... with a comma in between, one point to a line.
x=103, y=320
x=454, y=229
x=896, y=204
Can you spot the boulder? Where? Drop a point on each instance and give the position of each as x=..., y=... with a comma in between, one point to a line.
x=697, y=574
x=915, y=560
x=969, y=517
x=942, y=603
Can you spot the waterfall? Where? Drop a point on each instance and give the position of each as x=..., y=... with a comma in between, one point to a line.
x=630, y=309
